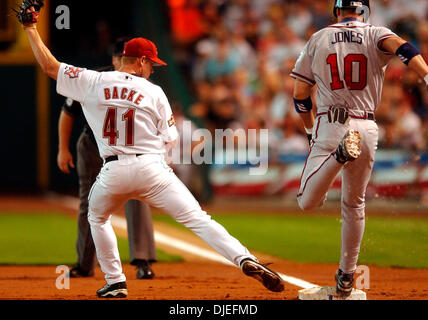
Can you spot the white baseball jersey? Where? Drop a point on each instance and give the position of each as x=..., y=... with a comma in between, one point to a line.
x=346, y=63
x=127, y=114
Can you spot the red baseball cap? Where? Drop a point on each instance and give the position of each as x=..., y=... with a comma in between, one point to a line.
x=140, y=47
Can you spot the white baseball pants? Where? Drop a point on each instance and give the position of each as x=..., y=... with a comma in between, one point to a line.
x=320, y=170
x=148, y=178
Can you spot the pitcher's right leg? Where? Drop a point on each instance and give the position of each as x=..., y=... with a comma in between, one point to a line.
x=101, y=205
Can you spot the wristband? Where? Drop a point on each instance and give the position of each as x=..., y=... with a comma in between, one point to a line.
x=426, y=80
x=303, y=106
x=308, y=131
x=407, y=52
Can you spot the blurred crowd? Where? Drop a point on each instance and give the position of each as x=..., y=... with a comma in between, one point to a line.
x=238, y=54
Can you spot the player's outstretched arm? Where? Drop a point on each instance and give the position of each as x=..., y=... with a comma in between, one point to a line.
x=303, y=105
x=44, y=57
x=28, y=15
x=408, y=54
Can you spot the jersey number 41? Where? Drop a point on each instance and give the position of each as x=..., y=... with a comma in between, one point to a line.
x=110, y=130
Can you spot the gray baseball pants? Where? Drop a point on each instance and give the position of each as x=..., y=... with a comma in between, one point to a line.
x=321, y=169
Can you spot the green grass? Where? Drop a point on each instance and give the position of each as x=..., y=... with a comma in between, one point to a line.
x=395, y=242
x=47, y=238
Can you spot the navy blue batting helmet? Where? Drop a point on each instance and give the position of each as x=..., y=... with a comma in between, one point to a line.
x=339, y=4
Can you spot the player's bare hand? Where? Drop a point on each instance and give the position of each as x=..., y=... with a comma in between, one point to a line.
x=65, y=161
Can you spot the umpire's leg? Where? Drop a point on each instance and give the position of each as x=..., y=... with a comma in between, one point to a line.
x=88, y=167
x=140, y=232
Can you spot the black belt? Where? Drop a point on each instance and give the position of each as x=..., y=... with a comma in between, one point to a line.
x=114, y=158
x=366, y=116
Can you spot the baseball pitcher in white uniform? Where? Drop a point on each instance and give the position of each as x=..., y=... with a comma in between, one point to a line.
x=133, y=126
x=347, y=62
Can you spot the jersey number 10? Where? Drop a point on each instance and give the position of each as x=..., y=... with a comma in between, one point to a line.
x=350, y=59
x=110, y=130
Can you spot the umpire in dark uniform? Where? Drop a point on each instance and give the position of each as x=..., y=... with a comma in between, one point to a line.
x=138, y=215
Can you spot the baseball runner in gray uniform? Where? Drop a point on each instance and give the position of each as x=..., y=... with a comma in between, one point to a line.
x=140, y=227
x=347, y=61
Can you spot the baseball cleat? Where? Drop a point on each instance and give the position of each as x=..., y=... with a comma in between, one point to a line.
x=144, y=270
x=270, y=279
x=349, y=147
x=77, y=272
x=115, y=290
x=344, y=283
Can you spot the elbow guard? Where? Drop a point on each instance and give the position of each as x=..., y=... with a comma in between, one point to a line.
x=303, y=106
x=407, y=52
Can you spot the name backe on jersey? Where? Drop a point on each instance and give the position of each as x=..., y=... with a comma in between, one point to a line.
x=121, y=100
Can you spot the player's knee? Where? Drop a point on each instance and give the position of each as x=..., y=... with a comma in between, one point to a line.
x=95, y=218
x=306, y=205
x=353, y=212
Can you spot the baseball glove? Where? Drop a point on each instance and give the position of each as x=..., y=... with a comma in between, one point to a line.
x=27, y=16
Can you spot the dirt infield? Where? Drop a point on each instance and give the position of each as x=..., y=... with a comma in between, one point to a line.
x=195, y=279
x=203, y=281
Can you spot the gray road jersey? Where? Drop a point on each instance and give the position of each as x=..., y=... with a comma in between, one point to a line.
x=345, y=61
